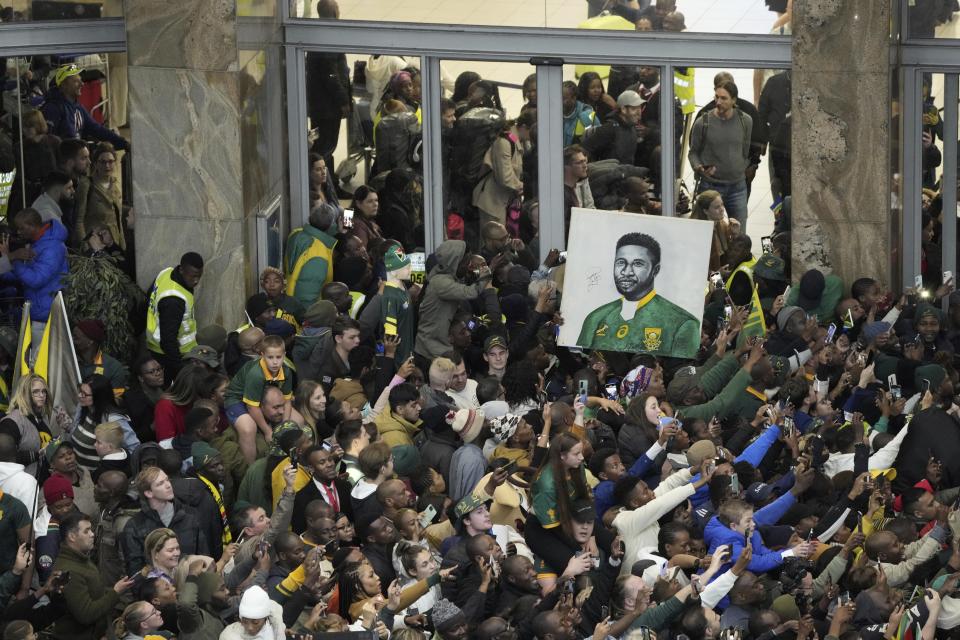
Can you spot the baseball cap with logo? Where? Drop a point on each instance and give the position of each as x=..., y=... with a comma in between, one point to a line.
x=206, y=355
x=494, y=341
x=395, y=258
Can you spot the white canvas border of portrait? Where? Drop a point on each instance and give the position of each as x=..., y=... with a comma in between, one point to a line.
x=588, y=279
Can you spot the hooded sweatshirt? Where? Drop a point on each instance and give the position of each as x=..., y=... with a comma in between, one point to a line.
x=443, y=296
x=19, y=484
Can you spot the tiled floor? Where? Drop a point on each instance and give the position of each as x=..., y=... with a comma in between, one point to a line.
x=726, y=16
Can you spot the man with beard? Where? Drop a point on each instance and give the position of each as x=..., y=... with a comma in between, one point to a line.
x=640, y=320
x=59, y=190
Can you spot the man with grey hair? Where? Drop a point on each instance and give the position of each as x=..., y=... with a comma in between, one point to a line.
x=308, y=262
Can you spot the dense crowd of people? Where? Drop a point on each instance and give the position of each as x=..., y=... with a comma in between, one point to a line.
x=409, y=453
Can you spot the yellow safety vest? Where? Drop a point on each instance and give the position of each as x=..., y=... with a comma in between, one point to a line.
x=358, y=300
x=683, y=90
x=163, y=287
x=744, y=267
x=606, y=21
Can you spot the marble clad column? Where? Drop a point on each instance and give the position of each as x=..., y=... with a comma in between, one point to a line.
x=184, y=114
x=841, y=138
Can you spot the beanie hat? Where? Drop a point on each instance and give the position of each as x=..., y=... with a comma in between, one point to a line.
x=446, y=616
x=784, y=316
x=700, y=451
x=468, y=423
x=255, y=604
x=257, y=304
x=926, y=309
x=203, y=454
x=932, y=372
x=874, y=330
x=394, y=257
x=504, y=427
x=57, y=487
x=320, y=314
x=786, y=607
x=279, y=327
x=93, y=329
x=518, y=275
x=811, y=288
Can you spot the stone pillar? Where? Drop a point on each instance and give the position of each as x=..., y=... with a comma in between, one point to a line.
x=185, y=121
x=841, y=138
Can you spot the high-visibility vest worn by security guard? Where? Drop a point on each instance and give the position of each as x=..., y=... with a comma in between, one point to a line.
x=606, y=21
x=163, y=287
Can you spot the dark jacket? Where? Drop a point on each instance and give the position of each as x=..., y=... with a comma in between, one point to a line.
x=613, y=139
x=189, y=532
x=41, y=276
x=309, y=493
x=310, y=350
x=437, y=450
x=380, y=558
x=198, y=497
x=328, y=85
x=71, y=120
x=89, y=601
x=632, y=442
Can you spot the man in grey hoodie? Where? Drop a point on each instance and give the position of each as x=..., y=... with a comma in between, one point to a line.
x=445, y=291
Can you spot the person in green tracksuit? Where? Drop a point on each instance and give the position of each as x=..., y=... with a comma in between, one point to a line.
x=640, y=320
x=308, y=262
x=396, y=309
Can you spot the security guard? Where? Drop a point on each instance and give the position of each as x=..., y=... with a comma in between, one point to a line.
x=640, y=320
x=171, y=325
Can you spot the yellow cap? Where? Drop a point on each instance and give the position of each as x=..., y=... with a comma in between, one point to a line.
x=65, y=72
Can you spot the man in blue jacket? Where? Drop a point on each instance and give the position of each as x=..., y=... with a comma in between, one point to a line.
x=40, y=275
x=68, y=118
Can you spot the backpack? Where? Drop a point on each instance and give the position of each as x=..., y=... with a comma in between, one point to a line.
x=397, y=136
x=472, y=135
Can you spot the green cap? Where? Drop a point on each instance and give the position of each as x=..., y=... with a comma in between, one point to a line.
x=770, y=267
x=395, y=258
x=467, y=505
x=203, y=454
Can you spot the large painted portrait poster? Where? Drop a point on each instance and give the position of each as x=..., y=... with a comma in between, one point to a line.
x=635, y=282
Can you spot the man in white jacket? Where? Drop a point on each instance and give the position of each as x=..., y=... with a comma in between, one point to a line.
x=260, y=618
x=637, y=522
x=13, y=479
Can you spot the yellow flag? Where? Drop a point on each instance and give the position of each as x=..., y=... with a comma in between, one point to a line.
x=756, y=324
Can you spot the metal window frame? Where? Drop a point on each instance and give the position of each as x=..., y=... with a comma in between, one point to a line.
x=548, y=50
x=62, y=36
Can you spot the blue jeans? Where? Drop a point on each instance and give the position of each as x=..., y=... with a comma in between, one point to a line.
x=734, y=195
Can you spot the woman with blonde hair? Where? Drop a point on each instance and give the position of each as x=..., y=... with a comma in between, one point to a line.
x=708, y=205
x=309, y=408
x=161, y=548
x=138, y=620
x=29, y=419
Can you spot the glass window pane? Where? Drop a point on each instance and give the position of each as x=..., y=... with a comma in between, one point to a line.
x=47, y=142
x=931, y=19
x=730, y=16
x=364, y=139
x=490, y=158
x=45, y=10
